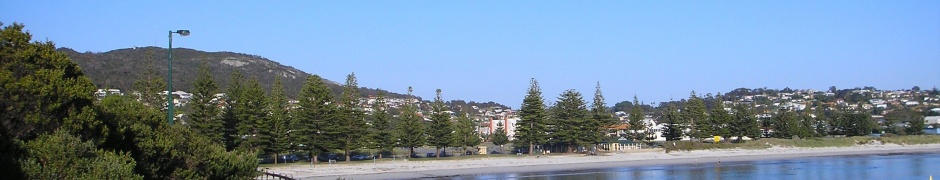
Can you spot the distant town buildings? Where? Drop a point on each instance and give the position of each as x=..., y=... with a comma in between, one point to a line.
x=488, y=119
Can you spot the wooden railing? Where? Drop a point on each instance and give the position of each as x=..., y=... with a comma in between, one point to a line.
x=273, y=176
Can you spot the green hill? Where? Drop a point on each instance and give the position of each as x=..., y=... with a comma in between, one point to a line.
x=120, y=68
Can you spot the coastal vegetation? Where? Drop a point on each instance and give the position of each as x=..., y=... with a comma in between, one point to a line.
x=53, y=128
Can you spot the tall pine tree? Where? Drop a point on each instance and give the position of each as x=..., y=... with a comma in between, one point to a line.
x=204, y=118
x=440, y=133
x=500, y=137
x=410, y=127
x=694, y=114
x=570, y=115
x=531, y=128
x=465, y=131
x=806, y=125
x=673, y=124
x=351, y=118
x=273, y=133
x=315, y=106
x=821, y=121
x=233, y=106
x=600, y=119
x=720, y=118
x=786, y=124
x=150, y=84
x=744, y=123
x=251, y=114
x=382, y=131
x=635, y=120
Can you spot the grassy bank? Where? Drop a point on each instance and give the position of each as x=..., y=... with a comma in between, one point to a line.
x=389, y=159
x=805, y=143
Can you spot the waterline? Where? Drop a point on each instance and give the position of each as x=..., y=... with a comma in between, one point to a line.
x=887, y=166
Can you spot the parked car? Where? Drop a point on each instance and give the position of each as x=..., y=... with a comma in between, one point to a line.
x=431, y=155
x=265, y=160
x=361, y=157
x=328, y=157
x=444, y=154
x=289, y=158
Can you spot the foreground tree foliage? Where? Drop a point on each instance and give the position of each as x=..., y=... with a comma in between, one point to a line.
x=167, y=152
x=62, y=156
x=42, y=90
x=53, y=129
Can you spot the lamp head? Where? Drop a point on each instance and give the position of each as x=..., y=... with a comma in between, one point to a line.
x=183, y=32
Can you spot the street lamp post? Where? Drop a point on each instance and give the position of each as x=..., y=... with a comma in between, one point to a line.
x=169, y=76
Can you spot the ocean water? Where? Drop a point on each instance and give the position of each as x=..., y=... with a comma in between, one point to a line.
x=888, y=166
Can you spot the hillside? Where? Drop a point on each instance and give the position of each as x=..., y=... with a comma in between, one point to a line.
x=120, y=68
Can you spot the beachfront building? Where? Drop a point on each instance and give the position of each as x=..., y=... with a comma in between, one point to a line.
x=653, y=130
x=508, y=125
x=493, y=119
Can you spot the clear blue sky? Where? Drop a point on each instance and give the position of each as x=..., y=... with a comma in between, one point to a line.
x=488, y=50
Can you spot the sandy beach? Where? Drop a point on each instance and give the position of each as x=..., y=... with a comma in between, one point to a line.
x=401, y=169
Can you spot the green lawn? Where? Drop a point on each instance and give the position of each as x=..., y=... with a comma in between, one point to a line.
x=389, y=159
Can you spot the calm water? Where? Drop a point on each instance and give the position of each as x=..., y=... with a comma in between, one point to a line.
x=892, y=167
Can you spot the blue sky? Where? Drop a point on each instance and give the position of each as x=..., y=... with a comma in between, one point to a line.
x=488, y=50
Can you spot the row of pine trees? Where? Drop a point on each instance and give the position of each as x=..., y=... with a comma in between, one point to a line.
x=569, y=123
x=254, y=120
x=263, y=122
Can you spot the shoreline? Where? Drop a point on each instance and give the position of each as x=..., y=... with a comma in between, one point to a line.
x=651, y=157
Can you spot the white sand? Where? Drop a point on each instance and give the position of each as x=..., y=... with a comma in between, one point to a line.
x=497, y=165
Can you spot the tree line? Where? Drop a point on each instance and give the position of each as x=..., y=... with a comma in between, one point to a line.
x=570, y=123
x=695, y=121
x=567, y=125
x=255, y=121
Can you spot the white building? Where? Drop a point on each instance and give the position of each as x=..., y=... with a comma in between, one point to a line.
x=508, y=124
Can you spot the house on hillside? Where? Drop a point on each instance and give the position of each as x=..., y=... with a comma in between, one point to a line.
x=931, y=121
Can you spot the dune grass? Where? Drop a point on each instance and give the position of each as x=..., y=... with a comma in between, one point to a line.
x=765, y=143
x=912, y=139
